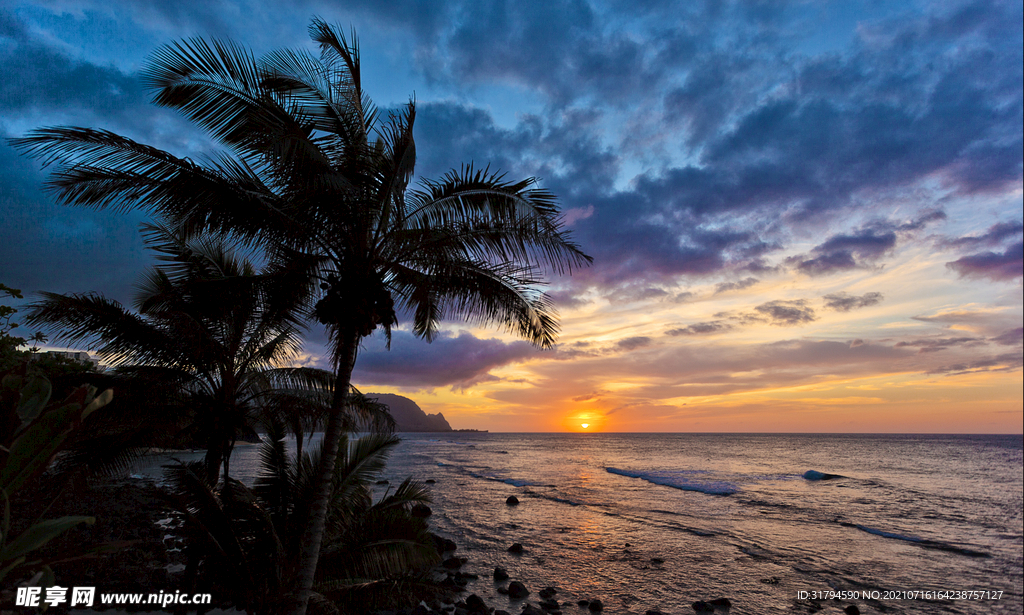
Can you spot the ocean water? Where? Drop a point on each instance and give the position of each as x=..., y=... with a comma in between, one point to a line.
x=912, y=523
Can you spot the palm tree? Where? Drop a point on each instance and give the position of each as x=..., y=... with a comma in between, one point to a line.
x=210, y=324
x=318, y=176
x=238, y=540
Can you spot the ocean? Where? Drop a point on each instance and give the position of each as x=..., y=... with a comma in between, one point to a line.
x=772, y=522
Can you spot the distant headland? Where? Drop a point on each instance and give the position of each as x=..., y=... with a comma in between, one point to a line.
x=410, y=417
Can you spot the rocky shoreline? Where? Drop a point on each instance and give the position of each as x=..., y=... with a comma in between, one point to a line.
x=454, y=575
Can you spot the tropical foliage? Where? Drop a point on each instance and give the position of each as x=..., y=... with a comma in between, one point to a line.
x=241, y=543
x=209, y=330
x=32, y=431
x=315, y=174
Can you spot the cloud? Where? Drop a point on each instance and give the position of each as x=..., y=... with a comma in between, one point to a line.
x=842, y=302
x=999, y=363
x=1003, y=266
x=860, y=249
x=1010, y=337
x=937, y=344
x=995, y=235
x=450, y=360
x=787, y=313
x=632, y=343
x=738, y=285
x=701, y=328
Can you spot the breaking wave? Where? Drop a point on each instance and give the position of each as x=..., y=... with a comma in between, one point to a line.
x=686, y=480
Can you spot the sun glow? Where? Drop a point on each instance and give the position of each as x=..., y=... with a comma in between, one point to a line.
x=584, y=425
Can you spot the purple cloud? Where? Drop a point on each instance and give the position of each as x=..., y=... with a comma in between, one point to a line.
x=1004, y=266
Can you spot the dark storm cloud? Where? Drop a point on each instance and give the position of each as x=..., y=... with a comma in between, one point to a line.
x=39, y=78
x=882, y=114
x=787, y=313
x=842, y=302
x=561, y=49
x=768, y=134
x=1002, y=266
x=45, y=246
x=449, y=360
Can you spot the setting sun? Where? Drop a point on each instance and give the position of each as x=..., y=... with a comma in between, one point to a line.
x=584, y=425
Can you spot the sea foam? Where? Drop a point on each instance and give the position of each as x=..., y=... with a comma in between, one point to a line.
x=686, y=480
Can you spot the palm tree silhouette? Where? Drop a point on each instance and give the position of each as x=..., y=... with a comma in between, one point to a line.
x=320, y=178
x=208, y=322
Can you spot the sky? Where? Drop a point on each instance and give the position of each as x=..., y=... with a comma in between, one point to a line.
x=804, y=216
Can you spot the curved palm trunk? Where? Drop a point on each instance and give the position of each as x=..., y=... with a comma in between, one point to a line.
x=312, y=535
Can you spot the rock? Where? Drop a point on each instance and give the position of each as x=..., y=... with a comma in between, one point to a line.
x=720, y=602
x=408, y=416
x=547, y=592
x=657, y=561
x=430, y=481
x=421, y=511
x=476, y=604
x=515, y=548
x=852, y=610
x=816, y=475
x=500, y=574
x=503, y=590
x=595, y=606
x=454, y=563
x=517, y=590
x=653, y=612
x=549, y=605
x=702, y=607
x=582, y=602
x=443, y=545
x=512, y=500
x=529, y=609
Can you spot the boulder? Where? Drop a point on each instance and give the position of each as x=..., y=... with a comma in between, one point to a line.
x=702, y=607
x=443, y=545
x=475, y=604
x=421, y=511
x=454, y=563
x=852, y=610
x=515, y=548
x=512, y=500
x=547, y=592
x=596, y=606
x=517, y=590
x=500, y=574
x=720, y=602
